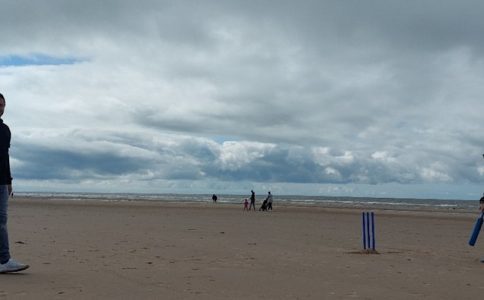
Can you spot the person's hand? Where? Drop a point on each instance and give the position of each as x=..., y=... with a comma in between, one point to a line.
x=9, y=189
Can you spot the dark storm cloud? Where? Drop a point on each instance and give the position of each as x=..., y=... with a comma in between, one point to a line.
x=49, y=163
x=190, y=160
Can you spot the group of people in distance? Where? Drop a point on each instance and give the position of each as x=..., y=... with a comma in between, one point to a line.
x=266, y=204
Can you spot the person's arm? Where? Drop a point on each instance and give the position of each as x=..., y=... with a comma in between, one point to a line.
x=9, y=174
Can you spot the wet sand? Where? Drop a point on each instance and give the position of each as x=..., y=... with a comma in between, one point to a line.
x=151, y=250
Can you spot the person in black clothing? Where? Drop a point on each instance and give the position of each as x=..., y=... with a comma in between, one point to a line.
x=481, y=203
x=252, y=200
x=7, y=264
x=214, y=198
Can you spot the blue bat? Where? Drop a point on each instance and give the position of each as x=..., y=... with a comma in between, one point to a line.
x=476, y=230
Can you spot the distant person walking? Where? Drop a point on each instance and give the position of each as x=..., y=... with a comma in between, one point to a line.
x=7, y=264
x=252, y=200
x=214, y=198
x=269, y=201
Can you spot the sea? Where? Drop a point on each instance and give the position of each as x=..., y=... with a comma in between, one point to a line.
x=405, y=204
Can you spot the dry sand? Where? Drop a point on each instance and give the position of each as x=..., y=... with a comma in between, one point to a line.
x=146, y=250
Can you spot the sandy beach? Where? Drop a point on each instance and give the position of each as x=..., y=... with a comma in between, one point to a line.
x=152, y=250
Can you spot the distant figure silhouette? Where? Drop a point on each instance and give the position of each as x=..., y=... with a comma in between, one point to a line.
x=269, y=201
x=214, y=198
x=246, y=205
x=252, y=200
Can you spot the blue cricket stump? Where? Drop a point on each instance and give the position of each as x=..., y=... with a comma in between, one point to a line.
x=368, y=224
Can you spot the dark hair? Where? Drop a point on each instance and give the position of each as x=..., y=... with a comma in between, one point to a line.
x=1, y=96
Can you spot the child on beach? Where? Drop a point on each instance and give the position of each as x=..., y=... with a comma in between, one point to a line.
x=246, y=204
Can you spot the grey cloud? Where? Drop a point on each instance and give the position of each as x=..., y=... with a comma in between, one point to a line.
x=408, y=25
x=43, y=164
x=186, y=158
x=77, y=154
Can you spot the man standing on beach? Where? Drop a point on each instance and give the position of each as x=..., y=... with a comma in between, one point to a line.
x=7, y=264
x=252, y=199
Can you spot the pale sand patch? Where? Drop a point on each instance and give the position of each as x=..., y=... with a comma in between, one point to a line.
x=147, y=250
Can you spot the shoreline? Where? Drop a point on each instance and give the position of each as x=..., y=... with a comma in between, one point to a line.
x=323, y=207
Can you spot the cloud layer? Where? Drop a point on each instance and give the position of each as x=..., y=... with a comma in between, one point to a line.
x=314, y=92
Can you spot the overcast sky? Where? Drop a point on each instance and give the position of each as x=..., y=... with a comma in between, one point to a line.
x=355, y=98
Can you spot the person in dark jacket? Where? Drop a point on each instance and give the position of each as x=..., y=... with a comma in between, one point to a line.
x=7, y=264
x=252, y=200
x=269, y=201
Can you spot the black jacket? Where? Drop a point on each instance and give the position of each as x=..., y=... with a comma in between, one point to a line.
x=5, y=135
